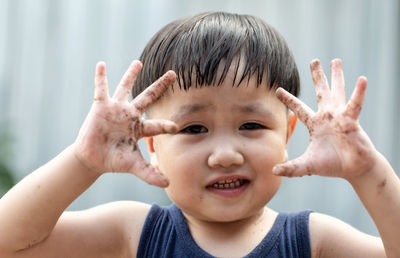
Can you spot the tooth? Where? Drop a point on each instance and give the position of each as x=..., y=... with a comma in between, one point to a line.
x=229, y=181
x=237, y=183
x=226, y=185
x=221, y=182
x=232, y=185
x=215, y=185
x=220, y=186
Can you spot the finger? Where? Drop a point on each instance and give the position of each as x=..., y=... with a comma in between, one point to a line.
x=302, y=111
x=353, y=107
x=100, y=82
x=154, y=91
x=320, y=83
x=337, y=82
x=142, y=169
x=154, y=127
x=124, y=87
x=294, y=168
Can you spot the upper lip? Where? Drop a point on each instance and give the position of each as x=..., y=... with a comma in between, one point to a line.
x=225, y=178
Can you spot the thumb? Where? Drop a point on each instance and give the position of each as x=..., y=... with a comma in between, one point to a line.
x=294, y=168
x=148, y=172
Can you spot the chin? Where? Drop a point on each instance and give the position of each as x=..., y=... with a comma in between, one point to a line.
x=218, y=214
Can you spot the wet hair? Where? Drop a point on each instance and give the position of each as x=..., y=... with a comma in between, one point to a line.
x=202, y=48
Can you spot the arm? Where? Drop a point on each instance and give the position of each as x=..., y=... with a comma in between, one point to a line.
x=379, y=191
x=340, y=148
x=30, y=212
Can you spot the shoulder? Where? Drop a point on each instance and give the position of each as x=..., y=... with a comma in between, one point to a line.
x=129, y=217
x=108, y=230
x=117, y=225
x=331, y=237
x=123, y=215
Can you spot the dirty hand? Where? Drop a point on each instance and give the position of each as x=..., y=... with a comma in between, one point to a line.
x=107, y=141
x=338, y=146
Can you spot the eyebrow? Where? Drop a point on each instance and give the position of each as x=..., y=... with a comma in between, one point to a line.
x=186, y=110
x=253, y=108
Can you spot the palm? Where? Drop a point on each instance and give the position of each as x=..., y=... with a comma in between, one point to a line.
x=338, y=145
x=107, y=141
x=108, y=135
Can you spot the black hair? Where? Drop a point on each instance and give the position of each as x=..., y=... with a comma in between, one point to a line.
x=196, y=46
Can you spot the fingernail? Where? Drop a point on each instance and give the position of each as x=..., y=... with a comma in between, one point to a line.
x=170, y=127
x=137, y=62
x=276, y=170
x=337, y=62
x=171, y=75
x=164, y=179
x=314, y=64
x=164, y=182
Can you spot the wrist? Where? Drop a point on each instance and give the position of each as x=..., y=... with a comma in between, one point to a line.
x=81, y=164
x=375, y=174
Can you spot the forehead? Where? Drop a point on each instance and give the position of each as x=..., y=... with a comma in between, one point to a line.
x=229, y=95
x=246, y=98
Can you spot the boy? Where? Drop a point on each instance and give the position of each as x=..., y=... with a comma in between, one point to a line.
x=218, y=140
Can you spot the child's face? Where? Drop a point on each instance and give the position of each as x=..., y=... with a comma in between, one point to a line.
x=226, y=133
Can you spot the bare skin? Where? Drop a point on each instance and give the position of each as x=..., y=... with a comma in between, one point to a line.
x=340, y=148
x=32, y=218
x=108, y=138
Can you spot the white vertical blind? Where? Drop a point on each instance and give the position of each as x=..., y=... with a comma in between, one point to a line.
x=48, y=51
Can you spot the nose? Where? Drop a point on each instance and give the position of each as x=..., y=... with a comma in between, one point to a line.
x=225, y=154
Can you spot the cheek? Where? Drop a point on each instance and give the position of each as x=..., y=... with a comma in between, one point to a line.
x=265, y=157
x=268, y=151
x=179, y=161
x=184, y=166
x=186, y=180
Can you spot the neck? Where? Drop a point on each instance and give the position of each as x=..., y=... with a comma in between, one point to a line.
x=238, y=237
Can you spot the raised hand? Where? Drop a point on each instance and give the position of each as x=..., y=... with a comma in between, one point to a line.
x=107, y=141
x=338, y=146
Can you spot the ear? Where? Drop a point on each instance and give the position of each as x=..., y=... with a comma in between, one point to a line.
x=151, y=150
x=291, y=125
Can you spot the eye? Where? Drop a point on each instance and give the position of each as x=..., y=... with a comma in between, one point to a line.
x=251, y=126
x=194, y=129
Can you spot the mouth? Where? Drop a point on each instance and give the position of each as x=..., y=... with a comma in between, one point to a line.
x=229, y=187
x=228, y=184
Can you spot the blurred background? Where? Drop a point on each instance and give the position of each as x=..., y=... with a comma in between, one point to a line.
x=49, y=49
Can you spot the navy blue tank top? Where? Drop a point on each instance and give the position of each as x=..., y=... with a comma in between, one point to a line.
x=166, y=234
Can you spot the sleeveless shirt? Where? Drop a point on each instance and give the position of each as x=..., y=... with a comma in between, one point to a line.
x=166, y=234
